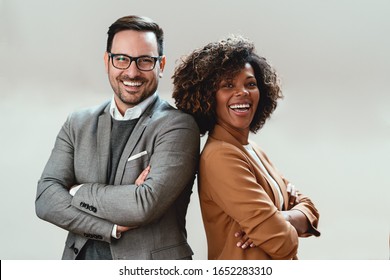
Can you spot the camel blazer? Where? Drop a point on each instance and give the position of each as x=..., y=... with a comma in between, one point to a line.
x=164, y=138
x=235, y=194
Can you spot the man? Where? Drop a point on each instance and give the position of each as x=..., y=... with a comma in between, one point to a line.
x=120, y=175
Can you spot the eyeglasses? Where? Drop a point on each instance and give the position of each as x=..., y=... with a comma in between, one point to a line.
x=144, y=63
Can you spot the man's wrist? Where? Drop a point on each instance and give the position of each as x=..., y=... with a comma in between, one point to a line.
x=114, y=232
x=73, y=190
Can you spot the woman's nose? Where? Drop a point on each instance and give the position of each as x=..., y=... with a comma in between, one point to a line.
x=242, y=92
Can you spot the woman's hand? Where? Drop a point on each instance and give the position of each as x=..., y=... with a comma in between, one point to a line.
x=297, y=219
x=245, y=242
x=292, y=196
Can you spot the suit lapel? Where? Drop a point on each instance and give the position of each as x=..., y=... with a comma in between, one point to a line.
x=103, y=144
x=134, y=139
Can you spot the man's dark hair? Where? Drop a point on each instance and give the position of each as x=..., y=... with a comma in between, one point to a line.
x=137, y=23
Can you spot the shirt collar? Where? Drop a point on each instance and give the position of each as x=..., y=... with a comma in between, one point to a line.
x=131, y=113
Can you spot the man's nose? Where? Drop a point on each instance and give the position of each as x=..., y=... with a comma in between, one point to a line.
x=133, y=70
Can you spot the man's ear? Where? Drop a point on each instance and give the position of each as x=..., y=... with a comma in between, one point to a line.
x=106, y=59
x=162, y=65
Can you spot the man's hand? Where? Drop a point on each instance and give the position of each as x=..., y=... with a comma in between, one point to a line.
x=140, y=180
x=244, y=242
x=122, y=229
x=142, y=177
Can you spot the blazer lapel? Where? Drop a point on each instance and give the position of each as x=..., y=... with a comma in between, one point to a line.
x=103, y=144
x=221, y=134
x=272, y=172
x=270, y=187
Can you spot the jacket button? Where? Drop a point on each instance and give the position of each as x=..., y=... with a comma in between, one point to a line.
x=76, y=251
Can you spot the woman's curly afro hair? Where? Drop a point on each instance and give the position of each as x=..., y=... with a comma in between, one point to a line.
x=197, y=79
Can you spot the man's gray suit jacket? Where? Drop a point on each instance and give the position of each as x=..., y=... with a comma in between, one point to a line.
x=164, y=138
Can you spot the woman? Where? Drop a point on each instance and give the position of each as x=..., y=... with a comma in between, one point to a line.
x=231, y=91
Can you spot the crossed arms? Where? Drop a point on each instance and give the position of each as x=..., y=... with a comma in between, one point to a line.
x=174, y=155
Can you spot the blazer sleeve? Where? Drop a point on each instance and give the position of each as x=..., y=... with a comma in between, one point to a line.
x=305, y=205
x=53, y=201
x=230, y=182
x=173, y=165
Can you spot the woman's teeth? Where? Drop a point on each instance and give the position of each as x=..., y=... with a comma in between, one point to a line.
x=240, y=107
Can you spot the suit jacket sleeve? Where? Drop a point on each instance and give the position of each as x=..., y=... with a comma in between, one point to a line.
x=53, y=201
x=173, y=165
x=231, y=183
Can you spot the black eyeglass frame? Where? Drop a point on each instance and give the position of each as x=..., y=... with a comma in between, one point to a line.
x=113, y=55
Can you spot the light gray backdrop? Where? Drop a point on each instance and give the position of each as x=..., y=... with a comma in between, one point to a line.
x=329, y=135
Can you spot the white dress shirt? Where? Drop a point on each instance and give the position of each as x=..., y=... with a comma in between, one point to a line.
x=133, y=112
